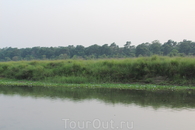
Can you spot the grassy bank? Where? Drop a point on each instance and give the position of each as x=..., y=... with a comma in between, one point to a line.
x=61, y=86
x=151, y=70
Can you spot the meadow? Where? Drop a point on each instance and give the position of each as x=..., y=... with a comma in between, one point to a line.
x=143, y=70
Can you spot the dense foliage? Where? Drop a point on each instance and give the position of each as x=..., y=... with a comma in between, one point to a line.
x=155, y=69
x=169, y=48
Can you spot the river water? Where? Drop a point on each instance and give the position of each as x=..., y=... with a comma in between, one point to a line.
x=38, y=108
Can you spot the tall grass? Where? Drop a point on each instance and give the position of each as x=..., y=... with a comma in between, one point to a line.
x=171, y=69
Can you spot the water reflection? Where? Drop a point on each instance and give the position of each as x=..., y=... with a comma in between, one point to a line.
x=155, y=99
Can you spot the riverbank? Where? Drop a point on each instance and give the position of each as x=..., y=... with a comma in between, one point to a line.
x=150, y=87
x=159, y=70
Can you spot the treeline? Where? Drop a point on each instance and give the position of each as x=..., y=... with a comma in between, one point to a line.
x=169, y=48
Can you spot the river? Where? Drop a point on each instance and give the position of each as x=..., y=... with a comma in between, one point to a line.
x=42, y=108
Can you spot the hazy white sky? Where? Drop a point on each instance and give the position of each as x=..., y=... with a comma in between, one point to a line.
x=28, y=23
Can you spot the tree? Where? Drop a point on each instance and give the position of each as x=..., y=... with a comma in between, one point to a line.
x=143, y=49
x=93, y=50
x=192, y=48
x=71, y=50
x=155, y=47
x=114, y=49
x=80, y=50
x=105, y=50
x=174, y=52
x=168, y=46
x=15, y=58
x=127, y=45
x=63, y=56
x=129, y=50
x=185, y=47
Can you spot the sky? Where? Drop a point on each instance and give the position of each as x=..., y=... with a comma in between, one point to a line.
x=46, y=23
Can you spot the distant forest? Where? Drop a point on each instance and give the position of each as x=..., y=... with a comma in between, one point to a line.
x=169, y=48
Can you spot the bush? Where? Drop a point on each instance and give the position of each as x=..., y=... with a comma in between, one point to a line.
x=112, y=70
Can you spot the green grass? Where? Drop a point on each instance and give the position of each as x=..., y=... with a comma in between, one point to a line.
x=150, y=70
x=26, y=83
